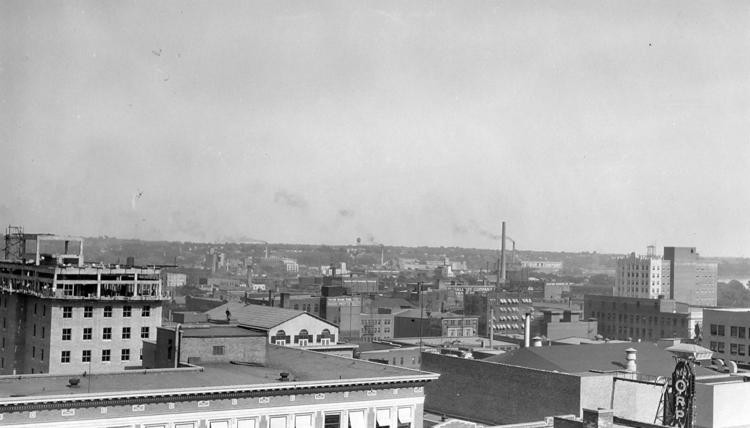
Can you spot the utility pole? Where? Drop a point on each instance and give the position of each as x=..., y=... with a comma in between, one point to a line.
x=490, y=327
x=421, y=317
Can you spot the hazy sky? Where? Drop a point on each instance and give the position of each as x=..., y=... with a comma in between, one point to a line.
x=586, y=125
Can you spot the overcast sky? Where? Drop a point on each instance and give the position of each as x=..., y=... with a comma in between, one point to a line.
x=586, y=125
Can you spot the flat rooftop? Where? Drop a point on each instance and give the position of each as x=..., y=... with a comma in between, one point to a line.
x=303, y=366
x=219, y=331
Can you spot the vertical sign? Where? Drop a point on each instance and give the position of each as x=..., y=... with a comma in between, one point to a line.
x=678, y=398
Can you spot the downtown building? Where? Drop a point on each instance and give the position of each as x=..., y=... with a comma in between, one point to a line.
x=61, y=316
x=646, y=277
x=679, y=275
x=275, y=387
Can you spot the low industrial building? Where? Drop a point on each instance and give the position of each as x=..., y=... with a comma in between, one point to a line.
x=558, y=325
x=416, y=322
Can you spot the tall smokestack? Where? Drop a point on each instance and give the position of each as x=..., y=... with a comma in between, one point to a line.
x=527, y=330
x=501, y=274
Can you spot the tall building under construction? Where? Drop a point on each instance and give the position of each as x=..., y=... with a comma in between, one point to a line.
x=61, y=316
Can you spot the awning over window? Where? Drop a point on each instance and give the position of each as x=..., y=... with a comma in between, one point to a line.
x=303, y=421
x=357, y=419
x=278, y=422
x=404, y=415
x=383, y=417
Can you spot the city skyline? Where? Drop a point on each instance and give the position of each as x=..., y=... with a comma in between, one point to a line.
x=586, y=126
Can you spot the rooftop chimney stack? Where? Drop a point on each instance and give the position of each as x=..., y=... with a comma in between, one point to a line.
x=527, y=330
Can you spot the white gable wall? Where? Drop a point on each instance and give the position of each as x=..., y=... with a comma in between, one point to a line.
x=307, y=322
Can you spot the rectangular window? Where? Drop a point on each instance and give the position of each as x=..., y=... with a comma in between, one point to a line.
x=41, y=353
x=126, y=332
x=66, y=333
x=106, y=354
x=67, y=312
x=720, y=347
x=246, y=423
x=144, y=332
x=86, y=356
x=741, y=332
x=733, y=348
x=88, y=311
x=125, y=355
x=733, y=331
x=383, y=418
x=218, y=350
x=34, y=334
x=404, y=417
x=126, y=311
x=33, y=352
x=43, y=332
x=108, y=312
x=741, y=349
x=65, y=357
x=107, y=333
x=278, y=422
x=302, y=421
x=356, y=419
x=87, y=333
x=146, y=311
x=332, y=420
x=720, y=330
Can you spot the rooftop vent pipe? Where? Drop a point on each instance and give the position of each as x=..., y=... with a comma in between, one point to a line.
x=630, y=359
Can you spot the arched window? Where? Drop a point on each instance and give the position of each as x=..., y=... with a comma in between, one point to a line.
x=280, y=338
x=303, y=332
x=325, y=337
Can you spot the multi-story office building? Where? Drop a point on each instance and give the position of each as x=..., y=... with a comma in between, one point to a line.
x=691, y=281
x=727, y=333
x=632, y=318
x=642, y=276
x=62, y=316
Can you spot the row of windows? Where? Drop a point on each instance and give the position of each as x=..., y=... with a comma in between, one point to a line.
x=88, y=311
x=353, y=419
x=67, y=333
x=734, y=331
x=307, y=307
x=106, y=355
x=642, y=319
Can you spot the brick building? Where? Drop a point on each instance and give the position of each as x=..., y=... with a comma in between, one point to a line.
x=62, y=316
x=632, y=318
x=727, y=333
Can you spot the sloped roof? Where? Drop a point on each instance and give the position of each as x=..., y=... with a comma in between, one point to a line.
x=650, y=358
x=256, y=316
